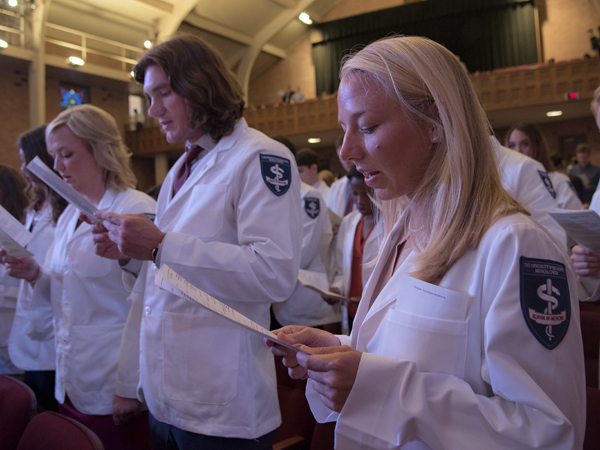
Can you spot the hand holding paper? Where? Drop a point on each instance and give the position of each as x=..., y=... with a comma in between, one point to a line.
x=13, y=235
x=171, y=281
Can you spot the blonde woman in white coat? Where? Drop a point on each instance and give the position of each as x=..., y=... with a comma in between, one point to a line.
x=94, y=383
x=467, y=335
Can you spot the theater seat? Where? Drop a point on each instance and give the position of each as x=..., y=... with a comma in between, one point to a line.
x=592, y=428
x=297, y=421
x=53, y=431
x=17, y=407
x=590, y=333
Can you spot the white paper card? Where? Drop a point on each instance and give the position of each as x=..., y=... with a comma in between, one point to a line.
x=44, y=173
x=582, y=226
x=317, y=281
x=424, y=298
x=13, y=235
x=171, y=281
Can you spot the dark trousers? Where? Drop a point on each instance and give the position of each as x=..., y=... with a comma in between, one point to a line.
x=41, y=383
x=169, y=437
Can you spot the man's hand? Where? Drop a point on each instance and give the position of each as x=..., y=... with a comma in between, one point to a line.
x=125, y=409
x=585, y=263
x=134, y=235
x=332, y=300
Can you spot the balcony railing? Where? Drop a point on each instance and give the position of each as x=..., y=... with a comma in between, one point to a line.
x=538, y=84
x=64, y=42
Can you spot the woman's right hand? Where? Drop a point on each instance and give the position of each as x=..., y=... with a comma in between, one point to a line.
x=307, y=338
x=585, y=263
x=22, y=268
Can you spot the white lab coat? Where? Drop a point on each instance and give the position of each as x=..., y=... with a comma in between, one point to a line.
x=9, y=288
x=566, y=197
x=345, y=249
x=337, y=199
x=305, y=306
x=322, y=187
x=31, y=343
x=231, y=236
x=464, y=375
x=90, y=310
x=522, y=178
x=589, y=287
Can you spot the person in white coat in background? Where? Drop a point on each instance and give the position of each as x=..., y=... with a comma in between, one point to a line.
x=339, y=199
x=585, y=262
x=14, y=200
x=305, y=306
x=467, y=334
x=228, y=220
x=527, y=181
x=308, y=165
x=95, y=383
x=357, y=246
x=31, y=343
x=527, y=139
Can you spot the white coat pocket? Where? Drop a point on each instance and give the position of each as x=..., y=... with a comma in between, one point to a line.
x=427, y=326
x=92, y=362
x=210, y=199
x=201, y=358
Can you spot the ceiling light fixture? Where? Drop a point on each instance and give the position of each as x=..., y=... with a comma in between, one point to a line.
x=12, y=3
x=3, y=43
x=147, y=43
x=75, y=61
x=305, y=18
x=554, y=113
x=314, y=140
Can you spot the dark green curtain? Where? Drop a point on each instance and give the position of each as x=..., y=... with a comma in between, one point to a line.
x=486, y=34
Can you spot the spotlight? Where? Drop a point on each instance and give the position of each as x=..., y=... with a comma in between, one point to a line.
x=75, y=61
x=554, y=113
x=12, y=3
x=305, y=18
x=3, y=43
x=314, y=140
x=147, y=43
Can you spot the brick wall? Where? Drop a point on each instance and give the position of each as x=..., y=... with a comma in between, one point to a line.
x=14, y=113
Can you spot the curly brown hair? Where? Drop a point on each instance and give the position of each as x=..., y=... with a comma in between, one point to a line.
x=198, y=73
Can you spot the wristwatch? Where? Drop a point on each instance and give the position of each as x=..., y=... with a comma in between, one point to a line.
x=155, y=252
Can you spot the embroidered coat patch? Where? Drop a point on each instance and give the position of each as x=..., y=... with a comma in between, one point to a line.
x=312, y=206
x=547, y=182
x=276, y=172
x=545, y=299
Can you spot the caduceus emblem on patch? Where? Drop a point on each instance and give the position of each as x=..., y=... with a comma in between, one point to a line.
x=545, y=299
x=276, y=172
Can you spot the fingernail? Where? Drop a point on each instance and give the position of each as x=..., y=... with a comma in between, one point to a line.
x=20, y=260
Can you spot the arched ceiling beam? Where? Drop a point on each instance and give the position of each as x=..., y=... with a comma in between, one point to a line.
x=261, y=39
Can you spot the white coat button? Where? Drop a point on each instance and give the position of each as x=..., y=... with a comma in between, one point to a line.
x=147, y=310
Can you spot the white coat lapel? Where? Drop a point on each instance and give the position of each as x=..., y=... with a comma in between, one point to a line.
x=42, y=223
x=361, y=330
x=168, y=203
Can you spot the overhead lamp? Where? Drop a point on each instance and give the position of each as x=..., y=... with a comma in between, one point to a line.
x=314, y=140
x=32, y=4
x=554, y=113
x=12, y=3
x=147, y=43
x=305, y=18
x=75, y=61
x=3, y=43
x=132, y=73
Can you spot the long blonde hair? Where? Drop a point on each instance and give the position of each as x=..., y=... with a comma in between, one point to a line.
x=461, y=193
x=99, y=132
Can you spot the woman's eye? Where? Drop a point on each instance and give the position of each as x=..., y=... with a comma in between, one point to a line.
x=368, y=130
